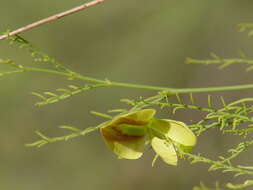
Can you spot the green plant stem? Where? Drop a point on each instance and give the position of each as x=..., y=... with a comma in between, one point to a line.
x=146, y=87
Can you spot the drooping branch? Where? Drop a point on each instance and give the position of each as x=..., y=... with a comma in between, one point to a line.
x=51, y=18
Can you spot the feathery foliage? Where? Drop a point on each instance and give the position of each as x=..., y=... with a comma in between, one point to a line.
x=231, y=118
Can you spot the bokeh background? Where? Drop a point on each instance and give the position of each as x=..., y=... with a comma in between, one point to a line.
x=144, y=42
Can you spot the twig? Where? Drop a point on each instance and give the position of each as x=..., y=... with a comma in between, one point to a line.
x=165, y=90
x=51, y=18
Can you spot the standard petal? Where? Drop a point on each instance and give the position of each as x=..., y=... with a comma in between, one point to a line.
x=175, y=130
x=140, y=117
x=180, y=133
x=165, y=150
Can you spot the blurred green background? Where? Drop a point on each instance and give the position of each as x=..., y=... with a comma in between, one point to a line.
x=143, y=42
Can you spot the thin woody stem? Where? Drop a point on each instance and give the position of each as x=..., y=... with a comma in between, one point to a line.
x=51, y=18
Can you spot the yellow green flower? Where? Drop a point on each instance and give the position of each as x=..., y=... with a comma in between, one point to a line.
x=168, y=137
x=127, y=135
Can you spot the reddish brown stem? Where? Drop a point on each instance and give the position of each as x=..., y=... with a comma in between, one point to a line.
x=51, y=18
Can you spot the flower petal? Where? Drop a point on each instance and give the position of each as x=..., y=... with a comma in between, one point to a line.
x=125, y=135
x=138, y=117
x=127, y=149
x=165, y=150
x=175, y=130
x=180, y=133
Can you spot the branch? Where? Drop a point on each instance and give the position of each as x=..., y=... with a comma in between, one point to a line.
x=165, y=90
x=51, y=18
